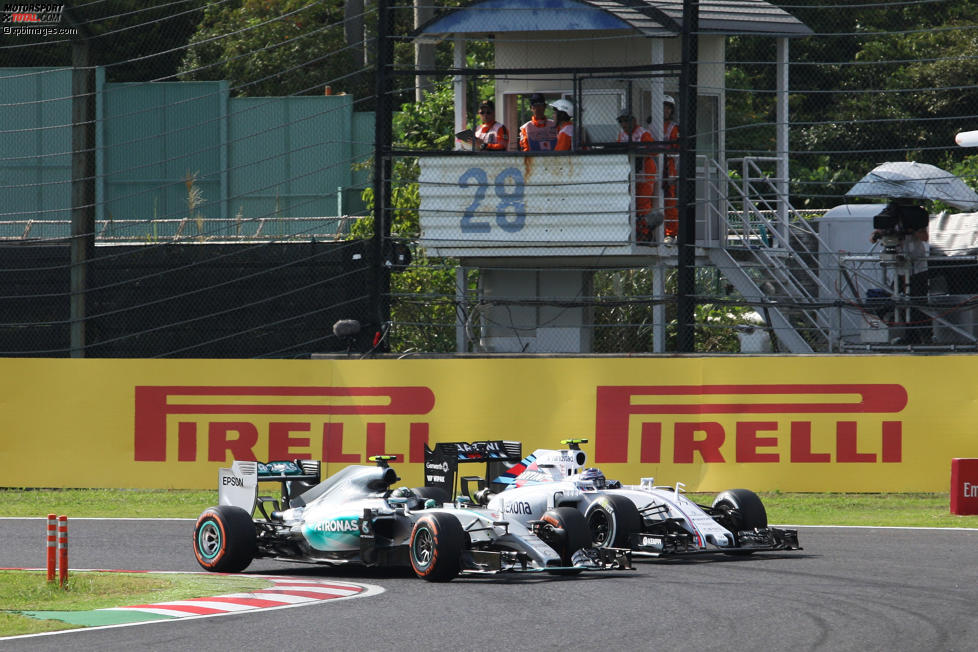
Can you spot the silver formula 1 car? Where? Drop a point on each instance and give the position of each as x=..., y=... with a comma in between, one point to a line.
x=649, y=519
x=354, y=516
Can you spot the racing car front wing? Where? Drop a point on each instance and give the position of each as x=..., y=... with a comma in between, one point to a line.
x=683, y=543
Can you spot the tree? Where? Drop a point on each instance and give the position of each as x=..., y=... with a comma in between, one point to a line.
x=133, y=41
x=874, y=83
x=287, y=47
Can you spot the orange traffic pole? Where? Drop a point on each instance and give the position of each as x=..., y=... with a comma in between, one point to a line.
x=62, y=550
x=52, y=543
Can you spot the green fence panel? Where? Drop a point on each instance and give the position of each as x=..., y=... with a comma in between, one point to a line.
x=35, y=157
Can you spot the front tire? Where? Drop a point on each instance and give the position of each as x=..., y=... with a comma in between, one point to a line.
x=225, y=540
x=437, y=541
x=741, y=509
x=611, y=520
x=576, y=534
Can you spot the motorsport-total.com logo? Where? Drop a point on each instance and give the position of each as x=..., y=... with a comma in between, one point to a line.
x=34, y=19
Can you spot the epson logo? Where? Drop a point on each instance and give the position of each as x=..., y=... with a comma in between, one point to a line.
x=518, y=507
x=230, y=480
x=443, y=467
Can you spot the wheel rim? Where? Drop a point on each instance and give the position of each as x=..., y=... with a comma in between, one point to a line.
x=600, y=528
x=423, y=547
x=732, y=516
x=209, y=540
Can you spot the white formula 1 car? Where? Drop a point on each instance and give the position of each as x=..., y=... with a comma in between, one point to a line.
x=355, y=517
x=649, y=519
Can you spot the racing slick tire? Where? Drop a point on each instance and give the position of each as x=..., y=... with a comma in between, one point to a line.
x=437, y=542
x=225, y=540
x=611, y=520
x=437, y=494
x=743, y=510
x=576, y=535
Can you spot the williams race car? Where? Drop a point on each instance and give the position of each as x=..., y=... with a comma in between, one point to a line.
x=355, y=517
x=649, y=519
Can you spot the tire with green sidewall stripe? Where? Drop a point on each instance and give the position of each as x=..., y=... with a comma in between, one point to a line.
x=225, y=540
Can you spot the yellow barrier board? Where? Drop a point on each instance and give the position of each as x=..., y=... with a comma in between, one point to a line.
x=861, y=423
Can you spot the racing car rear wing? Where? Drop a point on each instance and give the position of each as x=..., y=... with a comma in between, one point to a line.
x=441, y=464
x=238, y=485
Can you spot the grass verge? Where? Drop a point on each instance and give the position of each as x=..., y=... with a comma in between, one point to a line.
x=84, y=591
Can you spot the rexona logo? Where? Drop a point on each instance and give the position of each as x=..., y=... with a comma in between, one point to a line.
x=518, y=507
x=217, y=423
x=751, y=423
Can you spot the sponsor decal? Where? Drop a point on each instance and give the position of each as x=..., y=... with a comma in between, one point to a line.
x=651, y=542
x=970, y=490
x=232, y=481
x=790, y=417
x=217, y=423
x=518, y=507
x=337, y=525
x=435, y=466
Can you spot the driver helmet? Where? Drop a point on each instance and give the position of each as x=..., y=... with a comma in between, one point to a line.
x=405, y=492
x=594, y=476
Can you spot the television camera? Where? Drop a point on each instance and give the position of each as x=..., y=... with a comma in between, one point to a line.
x=893, y=224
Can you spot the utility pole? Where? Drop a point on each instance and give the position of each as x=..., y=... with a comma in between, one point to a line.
x=383, y=118
x=686, y=264
x=82, y=186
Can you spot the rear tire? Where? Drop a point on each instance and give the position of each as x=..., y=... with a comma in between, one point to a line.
x=225, y=540
x=611, y=520
x=437, y=541
x=576, y=535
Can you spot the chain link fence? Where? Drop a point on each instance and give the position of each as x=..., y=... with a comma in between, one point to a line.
x=651, y=178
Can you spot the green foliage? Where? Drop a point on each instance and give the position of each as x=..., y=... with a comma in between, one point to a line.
x=876, y=83
x=287, y=47
x=423, y=296
x=134, y=39
x=624, y=315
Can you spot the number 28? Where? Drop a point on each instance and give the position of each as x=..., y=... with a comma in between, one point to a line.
x=510, y=199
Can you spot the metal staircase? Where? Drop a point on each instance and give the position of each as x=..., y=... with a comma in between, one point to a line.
x=773, y=256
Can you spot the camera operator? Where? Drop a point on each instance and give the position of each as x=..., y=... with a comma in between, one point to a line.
x=902, y=228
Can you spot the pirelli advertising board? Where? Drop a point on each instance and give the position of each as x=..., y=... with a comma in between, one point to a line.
x=792, y=424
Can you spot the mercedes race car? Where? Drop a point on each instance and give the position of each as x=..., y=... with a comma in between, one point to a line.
x=354, y=516
x=649, y=519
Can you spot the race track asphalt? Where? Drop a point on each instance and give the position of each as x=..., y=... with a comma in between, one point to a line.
x=849, y=589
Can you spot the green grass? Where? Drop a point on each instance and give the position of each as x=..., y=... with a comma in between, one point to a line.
x=131, y=503
x=30, y=591
x=890, y=509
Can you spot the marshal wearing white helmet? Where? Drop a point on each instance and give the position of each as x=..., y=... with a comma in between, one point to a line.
x=563, y=116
